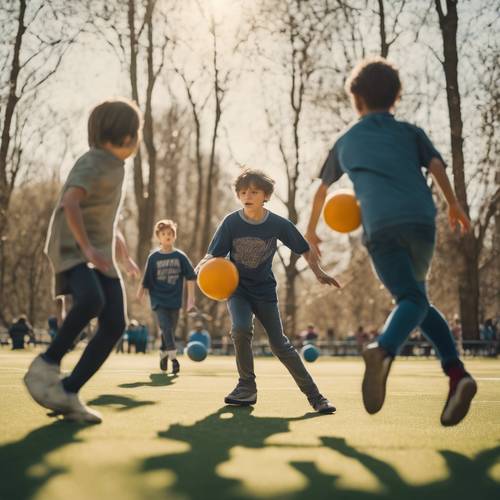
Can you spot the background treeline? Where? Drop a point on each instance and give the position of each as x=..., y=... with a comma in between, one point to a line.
x=224, y=84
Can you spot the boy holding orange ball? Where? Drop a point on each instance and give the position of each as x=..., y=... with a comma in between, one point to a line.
x=250, y=238
x=383, y=158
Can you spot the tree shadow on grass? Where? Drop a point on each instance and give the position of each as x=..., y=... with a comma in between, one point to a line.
x=155, y=380
x=24, y=468
x=468, y=478
x=123, y=403
x=211, y=440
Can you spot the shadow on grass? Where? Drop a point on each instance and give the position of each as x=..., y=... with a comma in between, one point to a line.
x=155, y=380
x=124, y=403
x=467, y=478
x=24, y=468
x=211, y=440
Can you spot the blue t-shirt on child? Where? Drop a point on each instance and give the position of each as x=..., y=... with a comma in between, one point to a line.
x=384, y=157
x=251, y=246
x=164, y=278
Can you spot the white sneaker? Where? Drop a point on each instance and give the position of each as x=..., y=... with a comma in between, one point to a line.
x=69, y=405
x=80, y=412
x=39, y=377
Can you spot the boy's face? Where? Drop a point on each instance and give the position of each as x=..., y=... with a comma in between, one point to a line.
x=252, y=197
x=166, y=237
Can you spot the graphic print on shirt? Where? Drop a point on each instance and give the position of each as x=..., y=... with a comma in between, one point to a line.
x=252, y=252
x=168, y=270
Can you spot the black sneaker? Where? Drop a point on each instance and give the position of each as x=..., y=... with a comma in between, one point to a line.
x=241, y=396
x=175, y=366
x=462, y=390
x=321, y=404
x=163, y=361
x=377, y=365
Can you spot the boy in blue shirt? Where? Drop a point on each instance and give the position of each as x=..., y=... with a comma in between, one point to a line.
x=383, y=157
x=250, y=237
x=164, y=276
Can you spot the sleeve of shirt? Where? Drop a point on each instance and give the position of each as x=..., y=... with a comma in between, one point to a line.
x=426, y=150
x=290, y=236
x=221, y=242
x=331, y=170
x=147, y=280
x=82, y=175
x=187, y=268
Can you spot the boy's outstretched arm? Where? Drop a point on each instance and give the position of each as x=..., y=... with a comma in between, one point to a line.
x=317, y=205
x=313, y=260
x=70, y=203
x=123, y=256
x=456, y=214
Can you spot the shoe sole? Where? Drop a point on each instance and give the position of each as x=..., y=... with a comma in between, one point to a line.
x=327, y=411
x=238, y=402
x=373, y=387
x=466, y=390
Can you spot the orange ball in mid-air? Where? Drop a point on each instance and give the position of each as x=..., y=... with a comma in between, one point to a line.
x=341, y=211
x=218, y=278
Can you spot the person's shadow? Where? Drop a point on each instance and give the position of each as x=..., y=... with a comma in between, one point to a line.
x=24, y=467
x=468, y=479
x=211, y=440
x=155, y=380
x=121, y=403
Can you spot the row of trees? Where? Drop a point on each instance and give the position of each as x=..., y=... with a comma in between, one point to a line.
x=188, y=67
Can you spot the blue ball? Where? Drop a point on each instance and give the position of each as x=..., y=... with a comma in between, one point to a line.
x=310, y=353
x=196, y=351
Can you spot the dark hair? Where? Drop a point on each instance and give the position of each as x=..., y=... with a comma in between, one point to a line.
x=250, y=177
x=112, y=121
x=376, y=81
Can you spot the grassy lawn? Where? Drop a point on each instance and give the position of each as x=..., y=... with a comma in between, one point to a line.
x=165, y=437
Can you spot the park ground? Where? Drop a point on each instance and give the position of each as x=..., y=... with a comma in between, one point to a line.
x=172, y=437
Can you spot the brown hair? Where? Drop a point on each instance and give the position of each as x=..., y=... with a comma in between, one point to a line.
x=251, y=177
x=112, y=121
x=165, y=224
x=376, y=81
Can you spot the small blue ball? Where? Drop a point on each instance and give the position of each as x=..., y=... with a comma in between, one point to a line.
x=310, y=353
x=196, y=351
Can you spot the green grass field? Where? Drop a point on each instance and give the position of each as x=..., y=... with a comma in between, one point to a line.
x=165, y=437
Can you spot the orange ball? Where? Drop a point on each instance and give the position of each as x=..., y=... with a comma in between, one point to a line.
x=341, y=211
x=218, y=278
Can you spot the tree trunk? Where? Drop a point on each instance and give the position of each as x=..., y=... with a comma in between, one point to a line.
x=469, y=274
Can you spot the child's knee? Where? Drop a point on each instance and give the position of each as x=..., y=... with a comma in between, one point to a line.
x=241, y=332
x=417, y=296
x=91, y=306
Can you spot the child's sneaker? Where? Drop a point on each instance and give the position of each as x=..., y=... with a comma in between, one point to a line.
x=321, y=404
x=462, y=389
x=176, y=367
x=40, y=375
x=242, y=396
x=163, y=361
x=377, y=365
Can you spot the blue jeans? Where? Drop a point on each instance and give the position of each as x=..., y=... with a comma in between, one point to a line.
x=401, y=256
x=243, y=311
x=167, y=319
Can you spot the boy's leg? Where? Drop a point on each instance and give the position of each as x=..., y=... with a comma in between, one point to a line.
x=167, y=320
x=268, y=314
x=462, y=386
x=242, y=332
x=111, y=325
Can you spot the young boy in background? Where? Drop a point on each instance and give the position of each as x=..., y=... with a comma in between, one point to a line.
x=250, y=237
x=383, y=157
x=81, y=245
x=166, y=270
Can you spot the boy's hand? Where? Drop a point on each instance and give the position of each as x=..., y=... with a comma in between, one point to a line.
x=131, y=268
x=458, y=217
x=326, y=279
x=314, y=241
x=202, y=261
x=97, y=259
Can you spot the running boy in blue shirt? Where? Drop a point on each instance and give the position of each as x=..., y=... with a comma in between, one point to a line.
x=164, y=276
x=81, y=246
x=250, y=237
x=383, y=157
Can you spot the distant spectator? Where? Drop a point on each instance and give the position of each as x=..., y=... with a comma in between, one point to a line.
x=362, y=337
x=330, y=334
x=487, y=332
x=199, y=334
x=310, y=335
x=19, y=329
